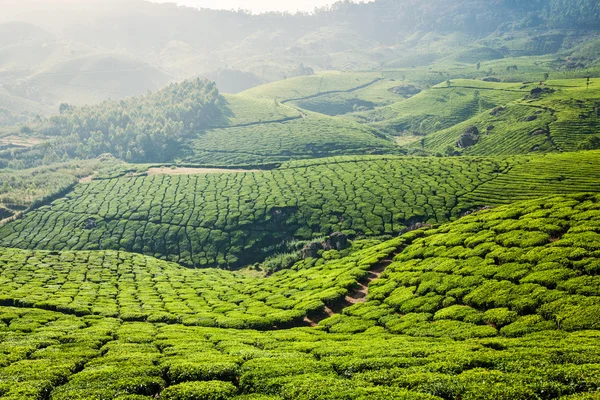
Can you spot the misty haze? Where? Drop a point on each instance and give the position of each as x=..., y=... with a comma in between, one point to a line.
x=300, y=200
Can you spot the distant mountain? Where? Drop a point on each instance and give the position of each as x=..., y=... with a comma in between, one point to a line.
x=240, y=50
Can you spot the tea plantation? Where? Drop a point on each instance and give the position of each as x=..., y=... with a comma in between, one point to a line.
x=501, y=304
x=562, y=117
x=512, y=270
x=233, y=219
x=140, y=288
x=287, y=139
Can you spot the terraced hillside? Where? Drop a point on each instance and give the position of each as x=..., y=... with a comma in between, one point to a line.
x=262, y=127
x=500, y=304
x=231, y=219
x=442, y=106
x=563, y=116
x=308, y=135
x=512, y=270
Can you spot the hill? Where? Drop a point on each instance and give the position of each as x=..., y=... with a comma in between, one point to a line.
x=516, y=285
x=91, y=79
x=143, y=128
x=300, y=135
x=512, y=270
x=558, y=116
x=26, y=49
x=53, y=37
x=233, y=219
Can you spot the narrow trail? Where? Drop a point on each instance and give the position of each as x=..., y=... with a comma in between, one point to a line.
x=357, y=295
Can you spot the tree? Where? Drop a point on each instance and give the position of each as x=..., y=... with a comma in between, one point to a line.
x=63, y=108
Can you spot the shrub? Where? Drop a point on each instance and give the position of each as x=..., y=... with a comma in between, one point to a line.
x=212, y=390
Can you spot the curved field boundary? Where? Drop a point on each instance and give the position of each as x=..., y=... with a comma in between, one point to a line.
x=194, y=171
x=313, y=96
x=275, y=121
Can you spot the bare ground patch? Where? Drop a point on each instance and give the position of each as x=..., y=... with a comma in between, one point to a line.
x=193, y=171
x=20, y=141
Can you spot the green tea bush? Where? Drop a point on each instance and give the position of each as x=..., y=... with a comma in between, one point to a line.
x=212, y=390
x=235, y=219
x=508, y=284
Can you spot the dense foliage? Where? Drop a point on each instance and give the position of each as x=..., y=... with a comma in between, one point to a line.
x=227, y=219
x=513, y=270
x=513, y=292
x=140, y=288
x=145, y=128
x=52, y=355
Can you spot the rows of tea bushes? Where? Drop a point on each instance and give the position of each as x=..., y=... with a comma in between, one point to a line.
x=563, y=118
x=40, y=350
x=542, y=175
x=49, y=355
x=227, y=219
x=312, y=85
x=310, y=136
x=140, y=288
x=528, y=267
x=514, y=129
x=23, y=188
x=440, y=107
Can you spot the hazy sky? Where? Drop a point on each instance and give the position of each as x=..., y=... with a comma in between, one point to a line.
x=256, y=6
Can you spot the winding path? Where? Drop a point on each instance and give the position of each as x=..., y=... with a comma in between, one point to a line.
x=357, y=295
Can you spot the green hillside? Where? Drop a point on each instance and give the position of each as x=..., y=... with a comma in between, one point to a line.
x=512, y=270
x=564, y=118
x=139, y=288
x=299, y=136
x=371, y=200
x=500, y=304
x=231, y=219
x=304, y=87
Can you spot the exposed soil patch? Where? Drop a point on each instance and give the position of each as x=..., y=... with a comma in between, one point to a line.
x=20, y=141
x=86, y=179
x=193, y=171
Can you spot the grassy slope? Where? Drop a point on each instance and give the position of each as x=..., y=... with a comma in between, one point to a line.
x=243, y=110
x=261, y=130
x=441, y=107
x=226, y=219
x=306, y=86
x=378, y=94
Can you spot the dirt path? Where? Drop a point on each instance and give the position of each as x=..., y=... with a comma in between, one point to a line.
x=358, y=295
x=192, y=171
